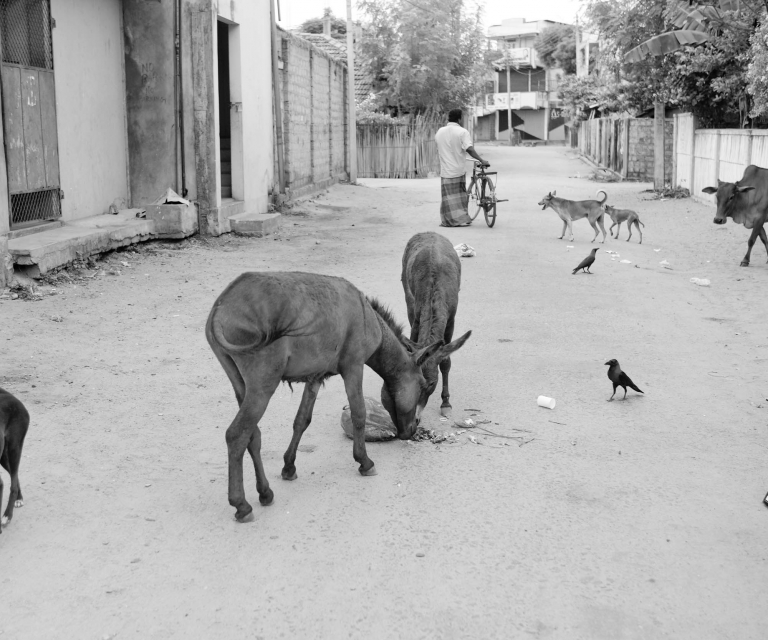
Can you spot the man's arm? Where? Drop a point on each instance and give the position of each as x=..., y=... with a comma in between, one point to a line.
x=471, y=151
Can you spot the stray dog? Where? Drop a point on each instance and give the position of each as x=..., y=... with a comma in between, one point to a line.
x=14, y=422
x=623, y=215
x=570, y=210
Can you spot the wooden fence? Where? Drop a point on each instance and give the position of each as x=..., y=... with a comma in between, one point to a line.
x=705, y=156
x=397, y=150
x=606, y=142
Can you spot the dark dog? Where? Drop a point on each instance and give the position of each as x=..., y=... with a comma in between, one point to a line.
x=14, y=422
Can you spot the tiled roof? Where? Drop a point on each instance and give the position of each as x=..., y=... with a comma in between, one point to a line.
x=337, y=50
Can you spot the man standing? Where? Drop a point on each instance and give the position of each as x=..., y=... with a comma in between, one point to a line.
x=453, y=141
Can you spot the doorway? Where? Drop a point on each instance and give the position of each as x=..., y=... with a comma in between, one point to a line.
x=225, y=121
x=29, y=112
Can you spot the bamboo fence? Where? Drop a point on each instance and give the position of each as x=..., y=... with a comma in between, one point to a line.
x=397, y=150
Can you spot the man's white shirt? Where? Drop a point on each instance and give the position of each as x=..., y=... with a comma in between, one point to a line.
x=452, y=142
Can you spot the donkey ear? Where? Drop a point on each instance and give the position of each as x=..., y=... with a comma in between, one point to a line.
x=421, y=355
x=448, y=349
x=554, y=193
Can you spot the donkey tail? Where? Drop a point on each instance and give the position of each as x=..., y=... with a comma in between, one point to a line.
x=225, y=344
x=605, y=196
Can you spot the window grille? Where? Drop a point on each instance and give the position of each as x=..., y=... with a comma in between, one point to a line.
x=34, y=207
x=26, y=33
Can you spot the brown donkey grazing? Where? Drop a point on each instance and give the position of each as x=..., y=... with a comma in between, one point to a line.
x=431, y=280
x=267, y=328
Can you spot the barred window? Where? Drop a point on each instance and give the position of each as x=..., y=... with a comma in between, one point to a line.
x=26, y=33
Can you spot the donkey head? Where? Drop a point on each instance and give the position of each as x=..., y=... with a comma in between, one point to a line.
x=407, y=397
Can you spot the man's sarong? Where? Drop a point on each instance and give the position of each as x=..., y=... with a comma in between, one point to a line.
x=453, y=208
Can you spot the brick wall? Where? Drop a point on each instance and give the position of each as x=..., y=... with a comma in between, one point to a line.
x=314, y=116
x=641, y=149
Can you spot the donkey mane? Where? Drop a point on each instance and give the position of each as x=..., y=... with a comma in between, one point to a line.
x=388, y=317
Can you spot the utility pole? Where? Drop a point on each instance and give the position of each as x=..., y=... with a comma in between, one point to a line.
x=509, y=105
x=351, y=115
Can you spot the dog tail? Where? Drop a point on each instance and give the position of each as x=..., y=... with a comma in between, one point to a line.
x=602, y=202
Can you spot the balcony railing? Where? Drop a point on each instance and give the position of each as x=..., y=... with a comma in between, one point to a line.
x=519, y=100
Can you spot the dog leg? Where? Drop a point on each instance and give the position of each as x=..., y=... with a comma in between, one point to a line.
x=637, y=224
x=594, y=226
x=610, y=229
x=629, y=226
x=602, y=227
x=570, y=229
x=565, y=226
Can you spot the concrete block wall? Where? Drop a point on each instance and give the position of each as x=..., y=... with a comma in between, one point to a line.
x=641, y=149
x=314, y=122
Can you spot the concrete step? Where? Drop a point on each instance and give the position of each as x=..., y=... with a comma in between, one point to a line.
x=254, y=224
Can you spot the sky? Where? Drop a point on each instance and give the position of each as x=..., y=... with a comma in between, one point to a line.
x=294, y=12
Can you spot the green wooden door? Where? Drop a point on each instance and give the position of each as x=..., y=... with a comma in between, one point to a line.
x=29, y=112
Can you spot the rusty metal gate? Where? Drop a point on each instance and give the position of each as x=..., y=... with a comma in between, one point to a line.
x=29, y=112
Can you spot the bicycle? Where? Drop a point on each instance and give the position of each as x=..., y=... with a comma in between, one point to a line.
x=482, y=190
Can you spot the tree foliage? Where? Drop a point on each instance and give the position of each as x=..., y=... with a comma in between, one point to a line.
x=425, y=56
x=708, y=79
x=556, y=46
x=315, y=25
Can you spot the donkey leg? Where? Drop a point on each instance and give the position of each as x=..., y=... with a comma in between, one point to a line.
x=353, y=383
x=11, y=458
x=300, y=424
x=445, y=365
x=266, y=496
x=239, y=436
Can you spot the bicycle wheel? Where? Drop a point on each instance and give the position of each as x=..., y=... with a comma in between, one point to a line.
x=475, y=199
x=488, y=202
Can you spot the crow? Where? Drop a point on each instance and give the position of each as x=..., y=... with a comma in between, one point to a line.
x=619, y=379
x=586, y=263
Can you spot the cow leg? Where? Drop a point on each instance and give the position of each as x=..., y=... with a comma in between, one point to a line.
x=353, y=383
x=764, y=238
x=300, y=424
x=266, y=496
x=445, y=366
x=242, y=435
x=750, y=243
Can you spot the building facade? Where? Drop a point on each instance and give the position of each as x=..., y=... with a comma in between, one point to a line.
x=521, y=81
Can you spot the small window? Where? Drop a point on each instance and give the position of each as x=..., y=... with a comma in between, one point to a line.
x=26, y=33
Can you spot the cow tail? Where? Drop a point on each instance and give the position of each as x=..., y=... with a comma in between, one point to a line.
x=602, y=202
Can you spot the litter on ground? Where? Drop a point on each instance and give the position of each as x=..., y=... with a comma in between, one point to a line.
x=465, y=251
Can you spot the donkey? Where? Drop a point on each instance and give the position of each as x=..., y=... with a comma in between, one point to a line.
x=431, y=280
x=300, y=327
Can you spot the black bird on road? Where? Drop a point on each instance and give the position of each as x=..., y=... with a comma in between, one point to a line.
x=619, y=379
x=586, y=263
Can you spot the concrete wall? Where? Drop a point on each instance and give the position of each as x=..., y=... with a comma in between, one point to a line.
x=90, y=105
x=641, y=149
x=149, y=84
x=314, y=116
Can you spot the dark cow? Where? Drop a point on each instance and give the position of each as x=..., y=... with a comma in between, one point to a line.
x=745, y=202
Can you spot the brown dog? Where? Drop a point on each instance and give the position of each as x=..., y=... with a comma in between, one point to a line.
x=14, y=422
x=623, y=215
x=570, y=210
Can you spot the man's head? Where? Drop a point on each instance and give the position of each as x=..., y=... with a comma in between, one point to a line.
x=454, y=115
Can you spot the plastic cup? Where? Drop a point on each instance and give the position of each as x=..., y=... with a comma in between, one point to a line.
x=547, y=403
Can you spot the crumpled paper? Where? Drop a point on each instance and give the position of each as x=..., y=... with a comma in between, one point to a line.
x=465, y=251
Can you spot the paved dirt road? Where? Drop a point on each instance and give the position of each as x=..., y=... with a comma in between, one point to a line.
x=635, y=519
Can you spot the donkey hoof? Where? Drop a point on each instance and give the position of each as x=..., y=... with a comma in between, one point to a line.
x=267, y=498
x=744, y=263
x=18, y=503
x=371, y=472
x=289, y=475
x=244, y=516
x=4, y=521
